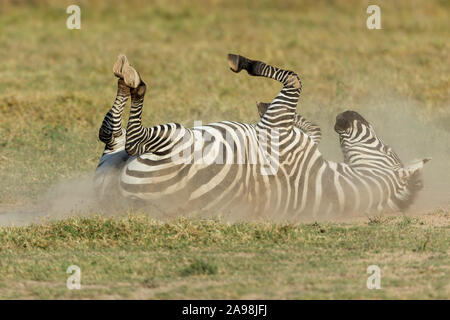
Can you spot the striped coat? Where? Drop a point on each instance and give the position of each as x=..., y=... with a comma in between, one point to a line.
x=272, y=168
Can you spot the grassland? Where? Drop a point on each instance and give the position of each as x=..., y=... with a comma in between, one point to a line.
x=136, y=257
x=56, y=85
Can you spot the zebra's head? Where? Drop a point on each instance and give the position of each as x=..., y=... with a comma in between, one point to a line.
x=349, y=122
x=363, y=149
x=359, y=141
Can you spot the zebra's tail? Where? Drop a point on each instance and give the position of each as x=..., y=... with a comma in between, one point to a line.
x=412, y=175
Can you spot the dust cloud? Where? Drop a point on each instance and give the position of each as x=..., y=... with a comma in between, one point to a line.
x=68, y=198
x=404, y=125
x=413, y=132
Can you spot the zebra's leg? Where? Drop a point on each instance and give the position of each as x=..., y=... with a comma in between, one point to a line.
x=136, y=133
x=139, y=139
x=311, y=129
x=281, y=112
x=111, y=132
x=137, y=136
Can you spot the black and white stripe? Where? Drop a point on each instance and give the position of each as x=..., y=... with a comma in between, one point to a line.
x=311, y=129
x=272, y=166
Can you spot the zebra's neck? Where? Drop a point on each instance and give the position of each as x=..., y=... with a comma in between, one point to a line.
x=363, y=149
x=372, y=173
x=367, y=188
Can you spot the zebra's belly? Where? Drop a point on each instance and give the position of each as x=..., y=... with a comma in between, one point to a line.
x=213, y=188
x=106, y=176
x=235, y=190
x=229, y=189
x=219, y=189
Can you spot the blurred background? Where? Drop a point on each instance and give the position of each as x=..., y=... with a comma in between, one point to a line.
x=56, y=84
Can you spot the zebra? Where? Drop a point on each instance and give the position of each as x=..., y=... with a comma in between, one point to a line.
x=290, y=178
x=309, y=128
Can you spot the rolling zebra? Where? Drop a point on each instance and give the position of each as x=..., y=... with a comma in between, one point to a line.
x=271, y=167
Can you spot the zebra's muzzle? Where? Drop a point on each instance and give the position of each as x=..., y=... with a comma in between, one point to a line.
x=341, y=123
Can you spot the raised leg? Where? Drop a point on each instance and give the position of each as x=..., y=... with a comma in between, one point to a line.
x=111, y=132
x=281, y=112
x=139, y=139
x=311, y=129
x=123, y=70
x=136, y=133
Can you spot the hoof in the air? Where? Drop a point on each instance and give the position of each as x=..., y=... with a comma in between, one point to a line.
x=131, y=77
x=233, y=62
x=123, y=70
x=120, y=63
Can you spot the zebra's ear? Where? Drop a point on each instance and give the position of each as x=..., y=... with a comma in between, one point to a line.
x=414, y=167
x=262, y=107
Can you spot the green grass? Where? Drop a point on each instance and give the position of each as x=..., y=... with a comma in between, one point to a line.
x=56, y=86
x=137, y=257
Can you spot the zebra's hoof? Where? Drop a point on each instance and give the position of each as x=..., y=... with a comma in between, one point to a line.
x=118, y=66
x=233, y=62
x=123, y=70
x=131, y=77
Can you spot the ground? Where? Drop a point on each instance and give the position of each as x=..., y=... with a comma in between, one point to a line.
x=57, y=84
x=136, y=257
